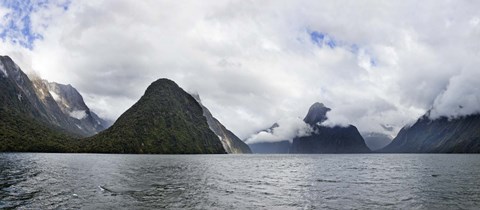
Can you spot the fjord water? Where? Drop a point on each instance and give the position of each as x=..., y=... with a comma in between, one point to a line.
x=426, y=181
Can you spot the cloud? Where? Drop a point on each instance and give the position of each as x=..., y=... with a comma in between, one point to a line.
x=287, y=129
x=23, y=22
x=255, y=62
x=460, y=98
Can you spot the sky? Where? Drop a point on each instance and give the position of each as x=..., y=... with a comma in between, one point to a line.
x=379, y=65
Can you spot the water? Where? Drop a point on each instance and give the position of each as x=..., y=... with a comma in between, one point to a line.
x=378, y=181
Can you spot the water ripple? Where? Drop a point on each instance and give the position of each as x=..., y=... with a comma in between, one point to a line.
x=46, y=181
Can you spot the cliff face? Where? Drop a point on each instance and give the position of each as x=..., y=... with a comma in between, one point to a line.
x=231, y=143
x=72, y=105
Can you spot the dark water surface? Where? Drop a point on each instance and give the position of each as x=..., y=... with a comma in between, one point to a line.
x=378, y=181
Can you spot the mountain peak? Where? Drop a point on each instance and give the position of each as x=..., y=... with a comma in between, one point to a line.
x=163, y=85
x=316, y=114
x=6, y=57
x=166, y=119
x=163, y=81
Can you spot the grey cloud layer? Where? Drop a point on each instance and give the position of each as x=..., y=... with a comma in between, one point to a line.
x=254, y=63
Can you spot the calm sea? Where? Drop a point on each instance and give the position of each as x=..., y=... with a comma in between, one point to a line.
x=364, y=181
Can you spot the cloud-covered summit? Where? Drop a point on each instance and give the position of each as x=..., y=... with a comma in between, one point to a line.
x=257, y=62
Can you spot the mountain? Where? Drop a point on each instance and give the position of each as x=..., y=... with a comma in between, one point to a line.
x=231, y=143
x=71, y=104
x=67, y=107
x=19, y=94
x=376, y=141
x=36, y=100
x=29, y=123
x=442, y=135
x=166, y=120
x=21, y=133
x=31, y=97
x=325, y=139
x=317, y=113
x=331, y=140
x=269, y=147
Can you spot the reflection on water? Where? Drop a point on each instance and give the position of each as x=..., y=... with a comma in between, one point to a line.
x=407, y=181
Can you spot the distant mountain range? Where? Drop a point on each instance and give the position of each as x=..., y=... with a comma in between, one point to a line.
x=442, y=135
x=376, y=141
x=41, y=116
x=270, y=147
x=323, y=139
x=276, y=147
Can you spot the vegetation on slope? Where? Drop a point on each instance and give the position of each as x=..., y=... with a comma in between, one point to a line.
x=166, y=120
x=20, y=133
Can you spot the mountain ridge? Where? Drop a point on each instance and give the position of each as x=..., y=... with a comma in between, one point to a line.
x=441, y=135
x=231, y=143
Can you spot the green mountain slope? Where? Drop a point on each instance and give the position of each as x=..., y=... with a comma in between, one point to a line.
x=166, y=120
x=20, y=133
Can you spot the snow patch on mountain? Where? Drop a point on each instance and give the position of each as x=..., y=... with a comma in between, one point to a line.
x=78, y=114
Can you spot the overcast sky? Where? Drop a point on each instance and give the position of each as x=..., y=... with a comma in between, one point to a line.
x=254, y=63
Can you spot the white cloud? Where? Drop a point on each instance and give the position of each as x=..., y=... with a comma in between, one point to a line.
x=78, y=114
x=287, y=129
x=254, y=63
x=3, y=18
x=460, y=98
